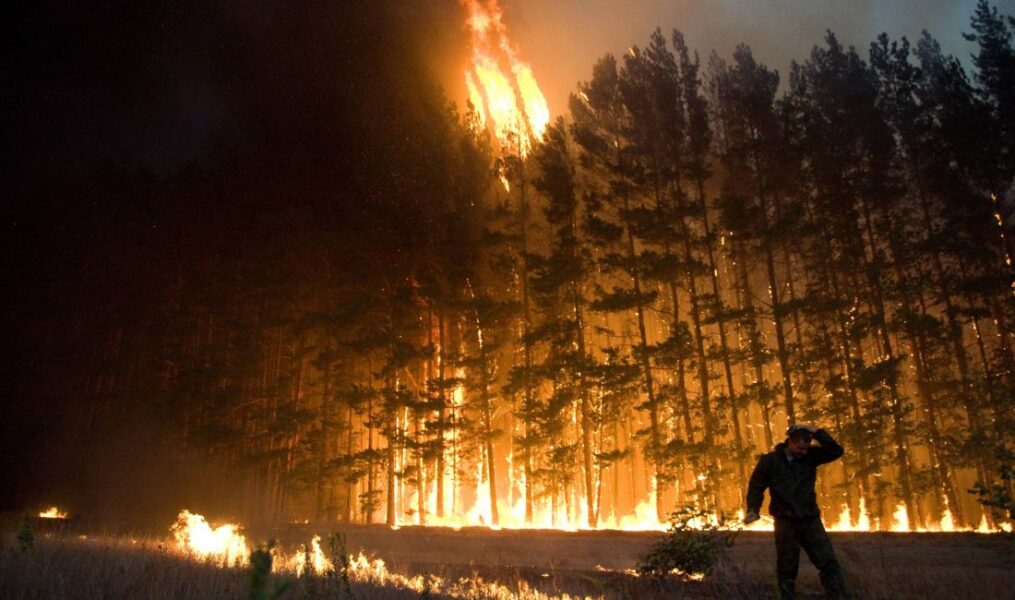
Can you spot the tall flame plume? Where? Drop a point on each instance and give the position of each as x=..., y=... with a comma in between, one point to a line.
x=502, y=88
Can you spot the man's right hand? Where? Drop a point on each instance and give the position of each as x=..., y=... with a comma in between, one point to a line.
x=805, y=426
x=751, y=517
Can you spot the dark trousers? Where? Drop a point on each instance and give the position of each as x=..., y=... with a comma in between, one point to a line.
x=809, y=534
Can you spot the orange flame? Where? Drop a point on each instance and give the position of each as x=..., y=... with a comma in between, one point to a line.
x=222, y=545
x=309, y=559
x=513, y=105
x=53, y=513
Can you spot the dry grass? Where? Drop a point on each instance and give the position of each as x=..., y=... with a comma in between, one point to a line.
x=65, y=566
x=488, y=564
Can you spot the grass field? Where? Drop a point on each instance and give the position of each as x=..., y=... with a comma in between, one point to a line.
x=67, y=562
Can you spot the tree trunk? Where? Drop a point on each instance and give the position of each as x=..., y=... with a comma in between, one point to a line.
x=731, y=392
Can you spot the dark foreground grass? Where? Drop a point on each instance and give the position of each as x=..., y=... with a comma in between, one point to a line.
x=118, y=567
x=62, y=564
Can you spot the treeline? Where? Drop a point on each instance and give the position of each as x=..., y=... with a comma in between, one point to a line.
x=701, y=253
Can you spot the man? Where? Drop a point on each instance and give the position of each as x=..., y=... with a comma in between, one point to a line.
x=789, y=473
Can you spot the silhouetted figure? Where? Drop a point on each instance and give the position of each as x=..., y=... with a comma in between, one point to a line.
x=789, y=472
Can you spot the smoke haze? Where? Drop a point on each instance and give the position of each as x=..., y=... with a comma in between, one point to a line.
x=562, y=39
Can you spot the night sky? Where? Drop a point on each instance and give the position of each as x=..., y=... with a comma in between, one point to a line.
x=161, y=85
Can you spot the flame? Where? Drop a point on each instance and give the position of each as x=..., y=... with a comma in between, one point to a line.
x=845, y=523
x=947, y=522
x=475, y=99
x=313, y=558
x=544, y=514
x=901, y=522
x=225, y=547
x=53, y=513
x=222, y=545
x=900, y=518
x=502, y=89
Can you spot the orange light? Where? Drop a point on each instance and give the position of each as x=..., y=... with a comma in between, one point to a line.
x=53, y=513
x=501, y=87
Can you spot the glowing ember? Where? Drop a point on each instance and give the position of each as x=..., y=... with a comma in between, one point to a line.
x=53, y=513
x=364, y=569
x=502, y=88
x=222, y=545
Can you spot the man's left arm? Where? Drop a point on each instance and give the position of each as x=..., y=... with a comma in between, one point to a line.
x=756, y=489
x=828, y=451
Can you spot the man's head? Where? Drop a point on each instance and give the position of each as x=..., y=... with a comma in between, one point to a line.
x=798, y=441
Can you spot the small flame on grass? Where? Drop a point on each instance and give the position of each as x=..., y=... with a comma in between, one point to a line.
x=223, y=544
x=53, y=513
x=313, y=558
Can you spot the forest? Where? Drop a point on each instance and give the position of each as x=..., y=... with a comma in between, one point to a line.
x=365, y=306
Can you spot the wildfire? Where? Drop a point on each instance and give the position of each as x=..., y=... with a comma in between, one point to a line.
x=223, y=544
x=502, y=88
x=53, y=513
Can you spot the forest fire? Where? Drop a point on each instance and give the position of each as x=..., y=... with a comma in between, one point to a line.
x=270, y=268
x=502, y=89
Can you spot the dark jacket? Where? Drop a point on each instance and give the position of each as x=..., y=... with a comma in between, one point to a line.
x=791, y=485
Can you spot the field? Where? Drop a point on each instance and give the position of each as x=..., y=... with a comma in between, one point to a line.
x=66, y=562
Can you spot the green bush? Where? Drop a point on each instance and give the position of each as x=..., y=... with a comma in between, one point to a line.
x=259, y=575
x=26, y=539
x=692, y=546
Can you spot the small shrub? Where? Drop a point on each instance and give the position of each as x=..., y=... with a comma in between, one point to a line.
x=693, y=545
x=26, y=539
x=259, y=575
x=336, y=543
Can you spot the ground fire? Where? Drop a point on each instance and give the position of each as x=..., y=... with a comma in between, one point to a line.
x=52, y=513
